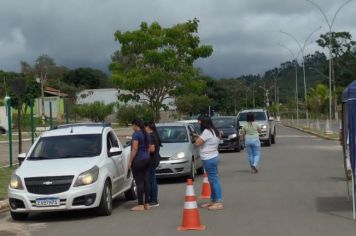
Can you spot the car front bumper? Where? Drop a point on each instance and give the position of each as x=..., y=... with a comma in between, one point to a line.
x=172, y=168
x=68, y=200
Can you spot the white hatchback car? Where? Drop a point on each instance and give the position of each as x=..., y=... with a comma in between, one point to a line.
x=77, y=166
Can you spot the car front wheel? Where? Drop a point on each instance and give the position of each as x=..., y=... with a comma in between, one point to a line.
x=105, y=207
x=19, y=216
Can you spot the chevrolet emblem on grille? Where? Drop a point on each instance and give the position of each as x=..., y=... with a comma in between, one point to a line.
x=47, y=183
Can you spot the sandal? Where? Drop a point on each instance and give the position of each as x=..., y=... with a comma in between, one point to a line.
x=147, y=206
x=216, y=206
x=208, y=204
x=138, y=208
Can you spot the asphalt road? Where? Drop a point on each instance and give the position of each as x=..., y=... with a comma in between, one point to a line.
x=300, y=190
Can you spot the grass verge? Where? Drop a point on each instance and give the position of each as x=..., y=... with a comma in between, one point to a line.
x=5, y=175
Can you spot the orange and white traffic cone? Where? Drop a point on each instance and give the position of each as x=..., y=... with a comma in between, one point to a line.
x=206, y=191
x=191, y=218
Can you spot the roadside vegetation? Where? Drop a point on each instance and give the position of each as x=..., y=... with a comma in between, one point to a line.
x=5, y=175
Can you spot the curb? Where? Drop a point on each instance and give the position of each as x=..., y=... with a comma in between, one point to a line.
x=311, y=132
x=4, y=205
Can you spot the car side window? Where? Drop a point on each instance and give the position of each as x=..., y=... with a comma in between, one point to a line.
x=111, y=141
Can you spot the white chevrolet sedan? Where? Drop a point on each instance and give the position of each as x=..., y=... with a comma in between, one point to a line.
x=77, y=166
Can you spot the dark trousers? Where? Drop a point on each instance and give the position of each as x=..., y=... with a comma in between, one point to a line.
x=141, y=174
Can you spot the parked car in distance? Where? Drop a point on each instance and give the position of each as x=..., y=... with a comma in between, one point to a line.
x=265, y=122
x=179, y=156
x=229, y=127
x=2, y=130
x=72, y=167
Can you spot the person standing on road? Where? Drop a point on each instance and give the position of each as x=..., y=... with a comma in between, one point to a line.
x=252, y=141
x=208, y=143
x=155, y=144
x=140, y=164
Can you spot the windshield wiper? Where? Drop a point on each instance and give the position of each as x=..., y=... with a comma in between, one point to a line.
x=38, y=158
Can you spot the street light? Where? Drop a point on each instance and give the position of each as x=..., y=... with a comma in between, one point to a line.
x=330, y=25
x=302, y=48
x=296, y=76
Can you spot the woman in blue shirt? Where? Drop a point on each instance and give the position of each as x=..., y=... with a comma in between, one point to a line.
x=140, y=164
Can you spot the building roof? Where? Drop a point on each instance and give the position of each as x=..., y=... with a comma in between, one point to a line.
x=55, y=92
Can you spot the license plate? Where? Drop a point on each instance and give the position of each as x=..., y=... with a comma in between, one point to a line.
x=43, y=202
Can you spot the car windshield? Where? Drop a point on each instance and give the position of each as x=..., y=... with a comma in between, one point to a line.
x=69, y=146
x=257, y=116
x=172, y=134
x=224, y=123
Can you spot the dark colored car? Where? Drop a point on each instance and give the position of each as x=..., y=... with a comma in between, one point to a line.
x=2, y=130
x=230, y=129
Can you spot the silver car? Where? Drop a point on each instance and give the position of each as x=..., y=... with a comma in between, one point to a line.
x=179, y=156
x=265, y=122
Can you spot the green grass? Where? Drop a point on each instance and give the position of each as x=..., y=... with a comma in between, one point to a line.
x=5, y=175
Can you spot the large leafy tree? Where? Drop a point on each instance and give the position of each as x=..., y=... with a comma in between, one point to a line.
x=154, y=62
x=87, y=78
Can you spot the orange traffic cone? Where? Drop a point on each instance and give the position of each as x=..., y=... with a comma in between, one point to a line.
x=191, y=218
x=206, y=191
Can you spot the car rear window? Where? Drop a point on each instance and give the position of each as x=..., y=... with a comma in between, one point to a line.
x=69, y=146
x=257, y=116
x=224, y=123
x=173, y=134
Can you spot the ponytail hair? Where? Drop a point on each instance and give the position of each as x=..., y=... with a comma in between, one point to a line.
x=151, y=124
x=139, y=123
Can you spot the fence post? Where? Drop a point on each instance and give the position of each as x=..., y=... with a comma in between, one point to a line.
x=66, y=111
x=32, y=123
x=50, y=115
x=9, y=129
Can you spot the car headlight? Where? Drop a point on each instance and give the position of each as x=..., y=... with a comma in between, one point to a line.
x=88, y=177
x=16, y=182
x=264, y=127
x=231, y=136
x=178, y=156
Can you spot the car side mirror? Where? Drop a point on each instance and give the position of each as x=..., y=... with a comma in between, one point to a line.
x=21, y=157
x=271, y=118
x=114, y=151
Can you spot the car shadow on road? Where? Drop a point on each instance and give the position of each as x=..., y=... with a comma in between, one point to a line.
x=334, y=206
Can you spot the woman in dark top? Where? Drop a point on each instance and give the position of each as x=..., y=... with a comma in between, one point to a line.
x=140, y=164
x=155, y=142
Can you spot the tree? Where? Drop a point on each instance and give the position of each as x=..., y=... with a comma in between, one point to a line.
x=318, y=98
x=193, y=104
x=126, y=114
x=153, y=62
x=87, y=78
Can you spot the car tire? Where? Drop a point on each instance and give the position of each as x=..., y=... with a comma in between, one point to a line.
x=19, y=216
x=238, y=147
x=131, y=193
x=268, y=142
x=193, y=171
x=273, y=140
x=105, y=207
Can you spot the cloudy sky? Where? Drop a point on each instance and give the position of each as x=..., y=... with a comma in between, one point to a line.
x=244, y=33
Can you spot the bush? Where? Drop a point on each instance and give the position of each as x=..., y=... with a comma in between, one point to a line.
x=96, y=111
x=126, y=114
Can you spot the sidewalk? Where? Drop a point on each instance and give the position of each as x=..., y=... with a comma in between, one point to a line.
x=334, y=136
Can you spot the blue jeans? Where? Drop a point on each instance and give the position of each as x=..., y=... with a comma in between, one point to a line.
x=211, y=168
x=154, y=186
x=253, y=147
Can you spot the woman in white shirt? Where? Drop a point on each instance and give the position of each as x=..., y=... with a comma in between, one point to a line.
x=208, y=142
